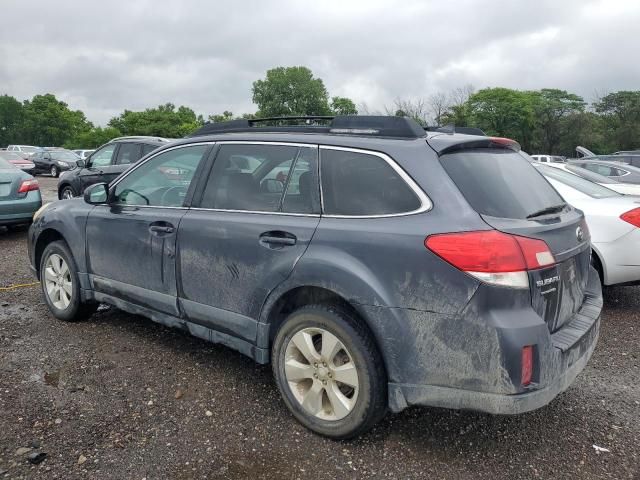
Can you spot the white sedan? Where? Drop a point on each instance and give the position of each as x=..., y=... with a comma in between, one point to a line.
x=624, y=188
x=613, y=220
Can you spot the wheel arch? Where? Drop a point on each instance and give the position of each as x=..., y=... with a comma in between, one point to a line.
x=46, y=237
x=279, y=306
x=599, y=265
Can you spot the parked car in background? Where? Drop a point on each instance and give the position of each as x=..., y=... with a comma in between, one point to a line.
x=54, y=161
x=549, y=158
x=83, y=154
x=620, y=172
x=17, y=160
x=26, y=150
x=627, y=152
x=386, y=267
x=624, y=188
x=106, y=163
x=19, y=195
x=614, y=222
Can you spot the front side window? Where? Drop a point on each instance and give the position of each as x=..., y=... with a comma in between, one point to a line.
x=362, y=184
x=102, y=157
x=163, y=181
x=128, y=153
x=263, y=178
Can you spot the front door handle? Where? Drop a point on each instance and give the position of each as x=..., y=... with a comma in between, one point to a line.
x=277, y=239
x=156, y=228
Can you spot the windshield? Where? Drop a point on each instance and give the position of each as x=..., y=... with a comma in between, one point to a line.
x=62, y=155
x=581, y=184
x=500, y=182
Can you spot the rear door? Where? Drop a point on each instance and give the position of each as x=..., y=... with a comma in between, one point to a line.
x=512, y=196
x=127, y=154
x=246, y=232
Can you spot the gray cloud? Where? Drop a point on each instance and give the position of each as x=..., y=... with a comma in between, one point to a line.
x=103, y=57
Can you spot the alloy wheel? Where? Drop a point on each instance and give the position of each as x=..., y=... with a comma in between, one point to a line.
x=67, y=194
x=321, y=374
x=54, y=171
x=57, y=281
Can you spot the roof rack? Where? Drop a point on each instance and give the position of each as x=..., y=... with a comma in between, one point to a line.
x=366, y=125
x=146, y=137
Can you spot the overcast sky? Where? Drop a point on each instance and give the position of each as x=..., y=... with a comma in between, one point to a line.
x=105, y=56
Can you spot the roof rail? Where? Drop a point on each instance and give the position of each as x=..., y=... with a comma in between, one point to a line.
x=146, y=137
x=368, y=125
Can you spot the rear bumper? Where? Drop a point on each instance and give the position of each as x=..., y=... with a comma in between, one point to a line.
x=570, y=365
x=621, y=258
x=21, y=210
x=474, y=361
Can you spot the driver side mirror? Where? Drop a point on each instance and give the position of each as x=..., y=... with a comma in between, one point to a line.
x=97, y=194
x=80, y=163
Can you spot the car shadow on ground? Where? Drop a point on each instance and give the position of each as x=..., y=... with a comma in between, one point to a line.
x=436, y=429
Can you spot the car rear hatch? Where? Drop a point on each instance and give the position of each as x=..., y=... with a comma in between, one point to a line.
x=512, y=197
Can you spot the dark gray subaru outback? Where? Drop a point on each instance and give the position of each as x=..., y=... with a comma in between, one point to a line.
x=374, y=264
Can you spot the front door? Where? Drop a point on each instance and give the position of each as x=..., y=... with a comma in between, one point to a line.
x=99, y=167
x=131, y=242
x=255, y=219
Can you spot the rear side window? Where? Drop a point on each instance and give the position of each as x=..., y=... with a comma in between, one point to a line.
x=263, y=178
x=362, y=184
x=128, y=153
x=500, y=183
x=148, y=149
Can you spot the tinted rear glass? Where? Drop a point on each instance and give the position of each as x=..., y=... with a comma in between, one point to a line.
x=360, y=184
x=500, y=183
x=5, y=164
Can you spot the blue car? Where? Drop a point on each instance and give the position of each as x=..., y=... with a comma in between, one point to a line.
x=19, y=195
x=374, y=265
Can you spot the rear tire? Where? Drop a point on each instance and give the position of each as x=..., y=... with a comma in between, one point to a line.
x=60, y=284
x=334, y=346
x=54, y=171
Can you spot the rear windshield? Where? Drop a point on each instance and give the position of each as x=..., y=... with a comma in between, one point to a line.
x=5, y=164
x=581, y=184
x=589, y=175
x=500, y=183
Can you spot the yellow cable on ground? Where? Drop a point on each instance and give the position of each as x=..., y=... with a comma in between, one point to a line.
x=23, y=285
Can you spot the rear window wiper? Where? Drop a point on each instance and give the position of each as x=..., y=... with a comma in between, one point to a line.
x=548, y=210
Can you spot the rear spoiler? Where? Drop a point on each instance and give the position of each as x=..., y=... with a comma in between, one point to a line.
x=444, y=144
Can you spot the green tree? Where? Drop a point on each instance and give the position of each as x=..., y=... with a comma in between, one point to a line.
x=290, y=91
x=621, y=113
x=11, y=119
x=221, y=117
x=49, y=121
x=556, y=115
x=93, y=138
x=504, y=112
x=343, y=106
x=163, y=121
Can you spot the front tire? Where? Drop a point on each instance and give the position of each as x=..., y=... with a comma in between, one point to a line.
x=60, y=284
x=66, y=193
x=54, y=171
x=329, y=371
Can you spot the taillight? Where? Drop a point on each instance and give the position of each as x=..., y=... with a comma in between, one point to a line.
x=632, y=217
x=527, y=365
x=28, y=186
x=491, y=256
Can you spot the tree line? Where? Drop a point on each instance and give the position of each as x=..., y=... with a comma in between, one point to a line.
x=548, y=121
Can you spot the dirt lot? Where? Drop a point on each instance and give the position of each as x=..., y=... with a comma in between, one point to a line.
x=121, y=397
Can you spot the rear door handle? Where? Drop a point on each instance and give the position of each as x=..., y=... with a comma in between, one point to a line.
x=277, y=239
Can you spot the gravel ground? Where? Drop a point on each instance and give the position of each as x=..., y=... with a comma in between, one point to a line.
x=121, y=397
